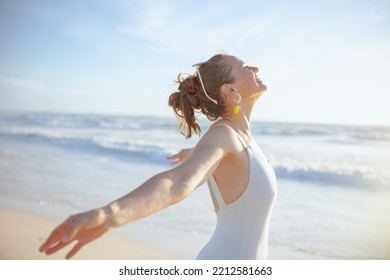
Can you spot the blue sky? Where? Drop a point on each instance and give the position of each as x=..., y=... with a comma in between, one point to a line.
x=323, y=61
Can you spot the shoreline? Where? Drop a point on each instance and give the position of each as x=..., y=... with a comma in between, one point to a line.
x=25, y=232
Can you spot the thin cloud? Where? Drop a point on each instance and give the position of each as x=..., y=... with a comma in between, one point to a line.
x=176, y=33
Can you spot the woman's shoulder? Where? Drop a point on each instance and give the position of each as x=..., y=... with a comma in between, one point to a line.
x=222, y=124
x=224, y=134
x=233, y=135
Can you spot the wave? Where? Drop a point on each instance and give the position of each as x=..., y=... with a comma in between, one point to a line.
x=339, y=133
x=53, y=120
x=117, y=147
x=331, y=170
x=152, y=151
x=338, y=177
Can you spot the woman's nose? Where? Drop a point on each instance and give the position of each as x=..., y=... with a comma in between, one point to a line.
x=254, y=69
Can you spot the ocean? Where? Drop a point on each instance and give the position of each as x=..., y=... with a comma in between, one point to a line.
x=333, y=180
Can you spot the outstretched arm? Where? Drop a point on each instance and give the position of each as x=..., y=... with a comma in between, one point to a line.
x=158, y=192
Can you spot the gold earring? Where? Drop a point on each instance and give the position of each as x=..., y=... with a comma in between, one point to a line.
x=236, y=109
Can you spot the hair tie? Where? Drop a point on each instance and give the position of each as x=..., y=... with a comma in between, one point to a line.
x=204, y=89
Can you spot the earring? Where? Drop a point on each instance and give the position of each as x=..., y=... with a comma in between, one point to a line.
x=236, y=109
x=237, y=100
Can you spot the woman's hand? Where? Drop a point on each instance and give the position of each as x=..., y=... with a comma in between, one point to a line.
x=181, y=156
x=84, y=227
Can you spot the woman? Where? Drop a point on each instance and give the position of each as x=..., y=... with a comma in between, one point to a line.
x=242, y=184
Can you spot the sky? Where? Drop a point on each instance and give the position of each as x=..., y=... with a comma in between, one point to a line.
x=322, y=61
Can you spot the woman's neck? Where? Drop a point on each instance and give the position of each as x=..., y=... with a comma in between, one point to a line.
x=240, y=121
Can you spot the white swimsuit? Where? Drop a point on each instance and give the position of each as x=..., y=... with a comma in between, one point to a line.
x=242, y=226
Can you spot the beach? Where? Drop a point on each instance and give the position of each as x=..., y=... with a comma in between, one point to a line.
x=332, y=201
x=23, y=233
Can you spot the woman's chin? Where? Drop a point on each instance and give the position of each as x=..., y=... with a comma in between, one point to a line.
x=262, y=87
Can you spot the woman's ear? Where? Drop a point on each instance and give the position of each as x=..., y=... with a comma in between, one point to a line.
x=227, y=90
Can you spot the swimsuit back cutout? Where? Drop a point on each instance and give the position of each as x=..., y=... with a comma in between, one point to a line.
x=243, y=225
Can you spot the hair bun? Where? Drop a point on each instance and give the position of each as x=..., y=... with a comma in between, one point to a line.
x=190, y=98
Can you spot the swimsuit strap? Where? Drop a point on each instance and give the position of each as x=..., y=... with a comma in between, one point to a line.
x=217, y=194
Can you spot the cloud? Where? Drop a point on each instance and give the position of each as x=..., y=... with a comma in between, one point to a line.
x=180, y=28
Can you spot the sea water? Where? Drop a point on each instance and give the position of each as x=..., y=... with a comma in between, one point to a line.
x=333, y=180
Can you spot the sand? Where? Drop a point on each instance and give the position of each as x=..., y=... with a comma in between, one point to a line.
x=22, y=234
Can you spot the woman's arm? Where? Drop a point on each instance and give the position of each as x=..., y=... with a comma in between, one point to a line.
x=158, y=192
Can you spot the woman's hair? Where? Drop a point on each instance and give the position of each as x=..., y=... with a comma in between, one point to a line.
x=190, y=97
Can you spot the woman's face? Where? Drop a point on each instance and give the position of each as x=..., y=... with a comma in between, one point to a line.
x=246, y=80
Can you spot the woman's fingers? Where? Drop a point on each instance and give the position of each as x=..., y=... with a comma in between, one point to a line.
x=74, y=250
x=180, y=156
x=176, y=162
x=83, y=227
x=60, y=237
x=56, y=248
x=64, y=240
x=172, y=157
x=61, y=245
x=54, y=237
